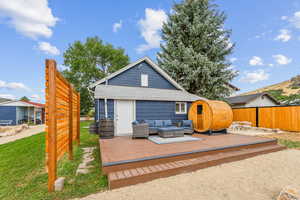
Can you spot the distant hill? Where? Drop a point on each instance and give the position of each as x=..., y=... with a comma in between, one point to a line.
x=286, y=92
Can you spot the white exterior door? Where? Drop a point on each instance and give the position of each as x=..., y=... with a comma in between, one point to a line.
x=124, y=116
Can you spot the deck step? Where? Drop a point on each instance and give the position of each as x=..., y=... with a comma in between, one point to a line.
x=108, y=168
x=143, y=174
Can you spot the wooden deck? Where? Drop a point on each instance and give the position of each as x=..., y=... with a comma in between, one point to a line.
x=127, y=161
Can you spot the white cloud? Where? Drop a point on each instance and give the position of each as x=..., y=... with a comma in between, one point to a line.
x=62, y=67
x=284, y=36
x=47, y=48
x=31, y=18
x=295, y=19
x=117, y=26
x=283, y=17
x=271, y=65
x=233, y=59
x=150, y=28
x=8, y=96
x=13, y=85
x=35, y=97
x=255, y=60
x=255, y=76
x=281, y=59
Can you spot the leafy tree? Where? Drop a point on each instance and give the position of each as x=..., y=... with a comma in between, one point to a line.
x=24, y=98
x=86, y=62
x=196, y=48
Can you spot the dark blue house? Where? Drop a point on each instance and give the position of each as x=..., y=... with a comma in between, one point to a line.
x=140, y=91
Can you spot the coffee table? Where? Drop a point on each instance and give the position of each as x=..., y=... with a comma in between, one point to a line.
x=169, y=132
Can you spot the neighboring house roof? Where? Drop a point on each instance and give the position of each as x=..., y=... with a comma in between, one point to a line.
x=19, y=103
x=151, y=63
x=243, y=99
x=233, y=87
x=4, y=100
x=140, y=93
x=35, y=104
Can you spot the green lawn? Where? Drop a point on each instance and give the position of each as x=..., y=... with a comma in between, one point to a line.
x=289, y=143
x=23, y=176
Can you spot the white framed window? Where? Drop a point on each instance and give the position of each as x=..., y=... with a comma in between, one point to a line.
x=180, y=108
x=144, y=80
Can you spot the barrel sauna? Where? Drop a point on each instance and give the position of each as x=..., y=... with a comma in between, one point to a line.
x=210, y=115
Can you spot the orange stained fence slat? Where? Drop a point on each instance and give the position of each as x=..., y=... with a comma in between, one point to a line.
x=62, y=112
x=245, y=114
x=278, y=117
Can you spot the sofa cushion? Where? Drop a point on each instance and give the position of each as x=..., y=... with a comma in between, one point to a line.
x=158, y=123
x=150, y=122
x=167, y=122
x=187, y=123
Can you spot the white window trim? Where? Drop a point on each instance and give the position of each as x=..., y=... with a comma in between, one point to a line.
x=180, y=105
x=144, y=82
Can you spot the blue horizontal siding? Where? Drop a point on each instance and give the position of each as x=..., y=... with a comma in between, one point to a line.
x=100, y=111
x=132, y=77
x=158, y=110
x=8, y=113
x=144, y=110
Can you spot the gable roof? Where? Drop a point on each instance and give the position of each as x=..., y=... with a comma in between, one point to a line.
x=21, y=103
x=243, y=99
x=140, y=93
x=144, y=59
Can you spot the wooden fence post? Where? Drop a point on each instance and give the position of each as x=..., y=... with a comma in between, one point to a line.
x=52, y=147
x=78, y=121
x=257, y=116
x=70, y=122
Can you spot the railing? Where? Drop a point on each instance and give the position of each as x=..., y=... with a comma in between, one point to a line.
x=62, y=119
x=283, y=117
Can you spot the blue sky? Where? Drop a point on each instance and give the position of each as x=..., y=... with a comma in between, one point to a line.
x=266, y=34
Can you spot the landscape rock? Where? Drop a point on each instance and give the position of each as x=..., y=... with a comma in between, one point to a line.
x=82, y=171
x=84, y=166
x=289, y=193
x=59, y=184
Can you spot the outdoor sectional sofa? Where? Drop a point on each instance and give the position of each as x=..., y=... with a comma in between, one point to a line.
x=164, y=128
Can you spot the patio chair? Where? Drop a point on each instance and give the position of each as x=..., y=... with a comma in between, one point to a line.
x=140, y=130
x=188, y=126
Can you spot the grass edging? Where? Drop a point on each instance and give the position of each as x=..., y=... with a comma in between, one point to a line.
x=23, y=175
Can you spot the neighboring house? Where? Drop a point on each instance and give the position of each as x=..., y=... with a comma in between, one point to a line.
x=140, y=91
x=19, y=112
x=252, y=100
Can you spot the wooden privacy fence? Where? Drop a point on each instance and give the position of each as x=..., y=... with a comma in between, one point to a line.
x=62, y=119
x=283, y=117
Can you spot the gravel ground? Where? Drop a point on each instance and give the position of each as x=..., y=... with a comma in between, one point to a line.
x=26, y=133
x=260, y=178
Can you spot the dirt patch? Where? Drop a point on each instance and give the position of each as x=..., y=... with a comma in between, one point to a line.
x=292, y=136
x=259, y=178
x=32, y=130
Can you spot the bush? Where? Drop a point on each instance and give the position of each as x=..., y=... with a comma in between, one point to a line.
x=91, y=113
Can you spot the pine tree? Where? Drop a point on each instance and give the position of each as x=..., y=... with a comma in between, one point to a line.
x=196, y=48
